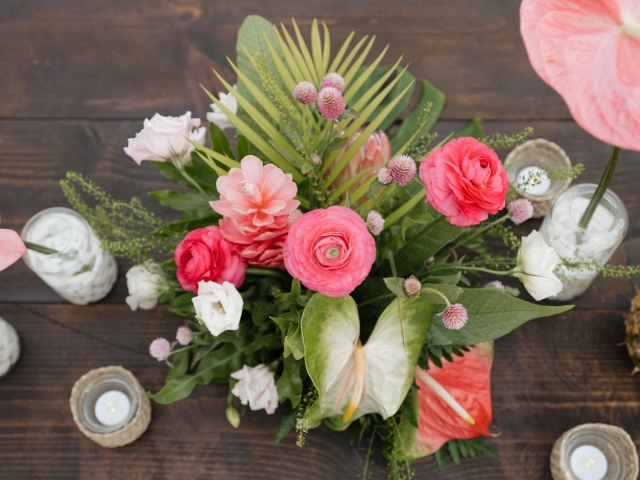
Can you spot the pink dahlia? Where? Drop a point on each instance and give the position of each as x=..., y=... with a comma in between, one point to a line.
x=375, y=152
x=330, y=103
x=589, y=52
x=330, y=250
x=255, y=202
x=334, y=80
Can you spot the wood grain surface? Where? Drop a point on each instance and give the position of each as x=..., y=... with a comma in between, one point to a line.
x=78, y=77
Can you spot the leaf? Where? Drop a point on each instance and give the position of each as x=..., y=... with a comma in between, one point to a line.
x=430, y=94
x=183, y=306
x=410, y=409
x=182, y=227
x=429, y=241
x=183, y=201
x=198, y=170
x=471, y=129
x=396, y=285
x=330, y=332
x=450, y=291
x=219, y=363
x=290, y=382
x=288, y=422
x=242, y=147
x=180, y=365
x=293, y=343
x=349, y=113
x=219, y=141
x=492, y=314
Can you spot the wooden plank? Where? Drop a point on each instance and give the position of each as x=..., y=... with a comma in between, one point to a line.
x=70, y=59
x=548, y=376
x=36, y=154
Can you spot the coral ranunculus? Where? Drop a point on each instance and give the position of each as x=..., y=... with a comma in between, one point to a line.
x=330, y=250
x=205, y=255
x=589, y=52
x=255, y=201
x=465, y=181
x=375, y=152
x=467, y=380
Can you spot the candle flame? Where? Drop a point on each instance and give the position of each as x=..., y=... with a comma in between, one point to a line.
x=111, y=406
x=590, y=463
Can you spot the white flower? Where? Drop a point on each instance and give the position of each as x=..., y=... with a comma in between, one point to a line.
x=219, y=307
x=146, y=284
x=218, y=117
x=163, y=139
x=9, y=346
x=536, y=261
x=198, y=135
x=256, y=387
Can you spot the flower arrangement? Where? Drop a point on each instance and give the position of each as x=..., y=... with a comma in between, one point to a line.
x=325, y=265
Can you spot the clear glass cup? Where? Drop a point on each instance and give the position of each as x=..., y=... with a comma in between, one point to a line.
x=595, y=245
x=81, y=271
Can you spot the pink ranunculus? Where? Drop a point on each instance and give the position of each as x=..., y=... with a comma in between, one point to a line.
x=163, y=138
x=589, y=52
x=464, y=180
x=330, y=250
x=467, y=380
x=375, y=152
x=11, y=248
x=255, y=201
x=205, y=255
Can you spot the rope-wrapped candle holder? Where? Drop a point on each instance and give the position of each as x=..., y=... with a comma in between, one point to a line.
x=110, y=406
x=530, y=157
x=594, y=451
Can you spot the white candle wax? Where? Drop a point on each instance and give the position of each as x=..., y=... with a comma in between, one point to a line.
x=534, y=181
x=112, y=407
x=588, y=463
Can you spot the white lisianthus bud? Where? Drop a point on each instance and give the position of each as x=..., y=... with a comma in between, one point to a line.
x=535, y=265
x=218, y=116
x=218, y=307
x=256, y=387
x=9, y=346
x=146, y=284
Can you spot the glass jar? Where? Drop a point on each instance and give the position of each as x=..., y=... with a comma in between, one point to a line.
x=9, y=348
x=593, y=245
x=81, y=271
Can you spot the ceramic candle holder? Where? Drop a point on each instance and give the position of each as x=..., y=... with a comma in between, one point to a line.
x=613, y=444
x=9, y=348
x=104, y=384
x=539, y=153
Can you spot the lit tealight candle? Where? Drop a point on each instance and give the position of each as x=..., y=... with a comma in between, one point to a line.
x=533, y=181
x=112, y=407
x=588, y=463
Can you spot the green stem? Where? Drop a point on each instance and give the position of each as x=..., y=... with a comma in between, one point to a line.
x=481, y=230
x=600, y=191
x=39, y=248
x=389, y=295
x=442, y=295
x=486, y=270
x=182, y=349
x=192, y=181
x=267, y=272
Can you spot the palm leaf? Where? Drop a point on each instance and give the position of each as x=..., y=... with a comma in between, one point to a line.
x=358, y=63
x=260, y=97
x=298, y=74
x=308, y=75
x=346, y=185
x=396, y=215
x=326, y=51
x=341, y=52
x=305, y=52
x=355, y=86
x=219, y=171
x=316, y=48
x=285, y=75
x=343, y=67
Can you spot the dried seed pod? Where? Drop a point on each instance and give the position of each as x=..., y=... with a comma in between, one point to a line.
x=632, y=333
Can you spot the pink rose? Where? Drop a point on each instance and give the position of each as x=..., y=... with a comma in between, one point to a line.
x=329, y=250
x=205, y=255
x=11, y=248
x=464, y=180
x=165, y=138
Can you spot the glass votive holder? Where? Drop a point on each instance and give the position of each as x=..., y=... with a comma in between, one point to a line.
x=530, y=157
x=595, y=244
x=594, y=451
x=9, y=348
x=110, y=406
x=81, y=271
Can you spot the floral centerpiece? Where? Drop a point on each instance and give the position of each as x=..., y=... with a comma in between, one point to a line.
x=327, y=263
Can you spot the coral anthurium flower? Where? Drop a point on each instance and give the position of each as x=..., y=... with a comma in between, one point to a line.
x=11, y=248
x=589, y=52
x=465, y=379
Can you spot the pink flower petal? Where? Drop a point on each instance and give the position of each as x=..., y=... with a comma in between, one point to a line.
x=11, y=248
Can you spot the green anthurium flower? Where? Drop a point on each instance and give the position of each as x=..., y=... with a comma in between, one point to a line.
x=355, y=379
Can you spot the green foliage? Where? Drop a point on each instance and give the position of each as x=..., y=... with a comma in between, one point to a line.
x=469, y=448
x=304, y=419
x=562, y=173
x=507, y=141
x=124, y=228
x=492, y=314
x=435, y=354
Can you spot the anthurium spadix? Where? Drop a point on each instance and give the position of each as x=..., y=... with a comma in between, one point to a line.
x=354, y=379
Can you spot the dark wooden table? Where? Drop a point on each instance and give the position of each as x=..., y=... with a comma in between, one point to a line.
x=77, y=77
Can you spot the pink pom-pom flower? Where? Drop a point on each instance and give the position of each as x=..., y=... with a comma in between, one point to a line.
x=375, y=222
x=334, y=80
x=294, y=216
x=495, y=284
x=520, y=210
x=402, y=169
x=330, y=250
x=412, y=286
x=330, y=103
x=384, y=176
x=305, y=93
x=455, y=316
x=183, y=335
x=159, y=348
